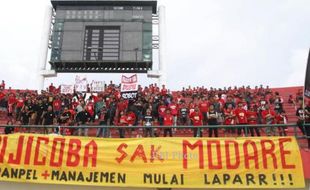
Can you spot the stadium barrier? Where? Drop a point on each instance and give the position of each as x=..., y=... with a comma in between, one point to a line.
x=296, y=131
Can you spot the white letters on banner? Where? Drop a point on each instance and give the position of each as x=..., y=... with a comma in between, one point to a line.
x=129, y=84
x=129, y=87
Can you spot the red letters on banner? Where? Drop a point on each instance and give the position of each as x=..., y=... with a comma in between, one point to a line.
x=214, y=157
x=73, y=154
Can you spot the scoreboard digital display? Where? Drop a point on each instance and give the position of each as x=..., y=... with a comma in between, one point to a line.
x=102, y=36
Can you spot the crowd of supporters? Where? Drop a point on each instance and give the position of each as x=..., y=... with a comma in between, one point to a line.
x=155, y=106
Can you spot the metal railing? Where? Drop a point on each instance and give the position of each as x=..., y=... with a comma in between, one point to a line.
x=246, y=128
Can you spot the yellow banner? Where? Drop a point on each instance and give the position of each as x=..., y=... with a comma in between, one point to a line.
x=266, y=162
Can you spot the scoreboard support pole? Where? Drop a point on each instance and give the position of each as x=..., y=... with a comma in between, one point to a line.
x=42, y=73
x=160, y=74
x=162, y=45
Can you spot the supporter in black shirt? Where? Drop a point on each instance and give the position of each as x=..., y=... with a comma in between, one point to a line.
x=31, y=111
x=66, y=101
x=45, y=103
x=148, y=122
x=103, y=120
x=111, y=112
x=307, y=121
x=82, y=118
x=229, y=101
x=278, y=103
x=24, y=118
x=139, y=110
x=65, y=116
x=183, y=114
x=48, y=119
x=40, y=108
x=212, y=116
x=155, y=106
x=9, y=128
x=300, y=115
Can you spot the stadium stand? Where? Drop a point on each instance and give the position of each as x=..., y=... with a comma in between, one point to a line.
x=190, y=106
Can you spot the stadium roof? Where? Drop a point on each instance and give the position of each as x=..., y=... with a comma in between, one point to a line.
x=152, y=3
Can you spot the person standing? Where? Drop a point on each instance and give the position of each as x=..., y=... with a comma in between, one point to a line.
x=252, y=120
x=65, y=120
x=278, y=103
x=131, y=121
x=90, y=108
x=148, y=122
x=122, y=122
x=229, y=119
x=281, y=118
x=103, y=121
x=183, y=114
x=167, y=121
x=57, y=106
x=301, y=117
x=203, y=107
x=174, y=112
x=307, y=121
x=241, y=118
x=161, y=112
x=83, y=118
x=269, y=119
x=49, y=118
x=212, y=116
x=197, y=120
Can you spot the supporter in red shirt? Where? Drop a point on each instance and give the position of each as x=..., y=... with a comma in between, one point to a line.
x=241, y=118
x=121, y=105
x=51, y=88
x=117, y=95
x=74, y=104
x=164, y=91
x=90, y=108
x=229, y=119
x=122, y=122
x=252, y=120
x=222, y=100
x=57, y=90
x=57, y=106
x=268, y=116
x=197, y=120
x=131, y=118
x=19, y=106
x=174, y=112
x=191, y=107
x=11, y=103
x=161, y=112
x=254, y=104
x=204, y=107
x=94, y=98
x=73, y=113
x=281, y=118
x=2, y=95
x=168, y=121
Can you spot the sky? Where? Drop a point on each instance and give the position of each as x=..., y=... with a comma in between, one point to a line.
x=211, y=43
